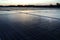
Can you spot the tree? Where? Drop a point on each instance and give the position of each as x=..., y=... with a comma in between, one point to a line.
x=58, y=4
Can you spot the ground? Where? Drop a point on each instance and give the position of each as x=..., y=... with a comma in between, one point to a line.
x=28, y=27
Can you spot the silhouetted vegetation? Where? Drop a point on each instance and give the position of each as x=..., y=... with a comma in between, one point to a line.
x=46, y=6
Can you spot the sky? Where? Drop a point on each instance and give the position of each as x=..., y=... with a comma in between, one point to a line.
x=28, y=2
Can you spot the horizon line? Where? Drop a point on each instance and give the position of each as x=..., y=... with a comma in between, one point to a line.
x=32, y=4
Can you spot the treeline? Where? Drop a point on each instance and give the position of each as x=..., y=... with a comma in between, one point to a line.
x=50, y=6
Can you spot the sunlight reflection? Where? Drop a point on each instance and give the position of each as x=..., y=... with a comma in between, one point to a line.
x=49, y=19
x=25, y=11
x=20, y=18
